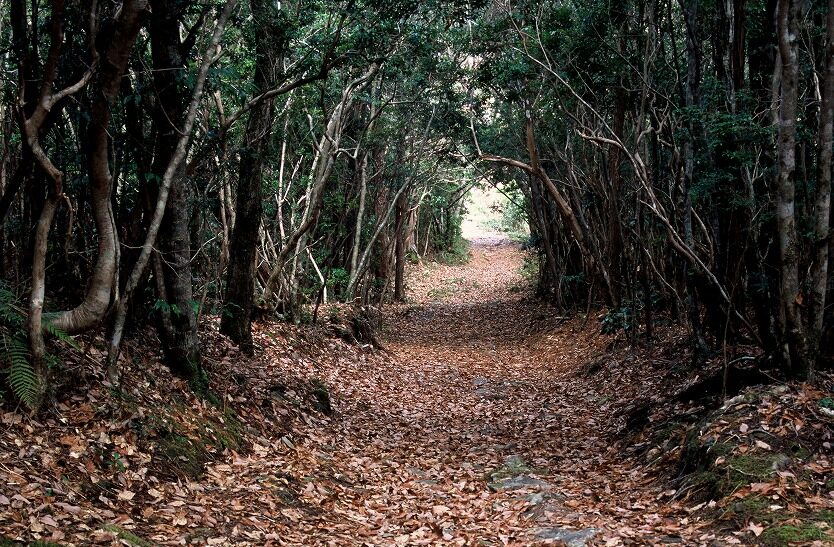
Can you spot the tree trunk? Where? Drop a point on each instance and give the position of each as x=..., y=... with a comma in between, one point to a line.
x=691, y=98
x=794, y=344
x=95, y=304
x=360, y=212
x=159, y=209
x=236, y=320
x=615, y=237
x=327, y=149
x=822, y=205
x=399, y=247
x=102, y=285
x=178, y=329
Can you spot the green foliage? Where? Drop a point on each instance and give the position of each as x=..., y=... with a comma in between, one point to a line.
x=22, y=378
x=15, y=357
x=165, y=307
x=456, y=253
x=60, y=335
x=779, y=536
x=338, y=279
x=15, y=360
x=618, y=319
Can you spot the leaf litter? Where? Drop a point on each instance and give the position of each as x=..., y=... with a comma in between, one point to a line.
x=483, y=418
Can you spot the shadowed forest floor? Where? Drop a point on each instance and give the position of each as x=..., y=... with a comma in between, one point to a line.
x=485, y=420
x=477, y=430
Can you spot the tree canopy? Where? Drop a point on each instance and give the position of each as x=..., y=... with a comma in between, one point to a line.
x=166, y=161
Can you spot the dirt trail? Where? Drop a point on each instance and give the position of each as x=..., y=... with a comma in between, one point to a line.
x=475, y=426
x=480, y=424
x=476, y=431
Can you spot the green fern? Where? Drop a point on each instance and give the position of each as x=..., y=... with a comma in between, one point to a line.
x=60, y=335
x=22, y=378
x=14, y=358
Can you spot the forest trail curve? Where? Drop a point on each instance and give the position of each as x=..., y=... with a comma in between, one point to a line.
x=478, y=430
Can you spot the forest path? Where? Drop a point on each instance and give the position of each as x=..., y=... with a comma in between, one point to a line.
x=478, y=430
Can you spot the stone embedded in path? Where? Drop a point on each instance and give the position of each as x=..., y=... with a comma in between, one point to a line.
x=490, y=390
x=571, y=538
x=490, y=393
x=515, y=475
x=540, y=503
x=520, y=482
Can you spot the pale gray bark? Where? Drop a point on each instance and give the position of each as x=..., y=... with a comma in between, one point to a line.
x=794, y=343
x=322, y=167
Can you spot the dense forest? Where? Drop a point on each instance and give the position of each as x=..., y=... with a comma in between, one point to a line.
x=178, y=175
x=164, y=160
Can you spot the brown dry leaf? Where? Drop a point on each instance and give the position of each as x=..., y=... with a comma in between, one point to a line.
x=126, y=495
x=756, y=529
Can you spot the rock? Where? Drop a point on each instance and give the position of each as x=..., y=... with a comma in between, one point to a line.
x=535, y=498
x=519, y=482
x=490, y=393
x=571, y=538
x=480, y=381
x=514, y=461
x=540, y=504
x=515, y=474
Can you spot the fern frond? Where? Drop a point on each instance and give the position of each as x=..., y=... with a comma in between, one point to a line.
x=22, y=378
x=60, y=335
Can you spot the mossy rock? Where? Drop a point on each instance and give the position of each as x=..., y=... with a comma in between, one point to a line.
x=513, y=467
x=186, y=451
x=669, y=432
x=721, y=449
x=788, y=534
x=705, y=480
x=228, y=434
x=755, y=467
x=755, y=508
